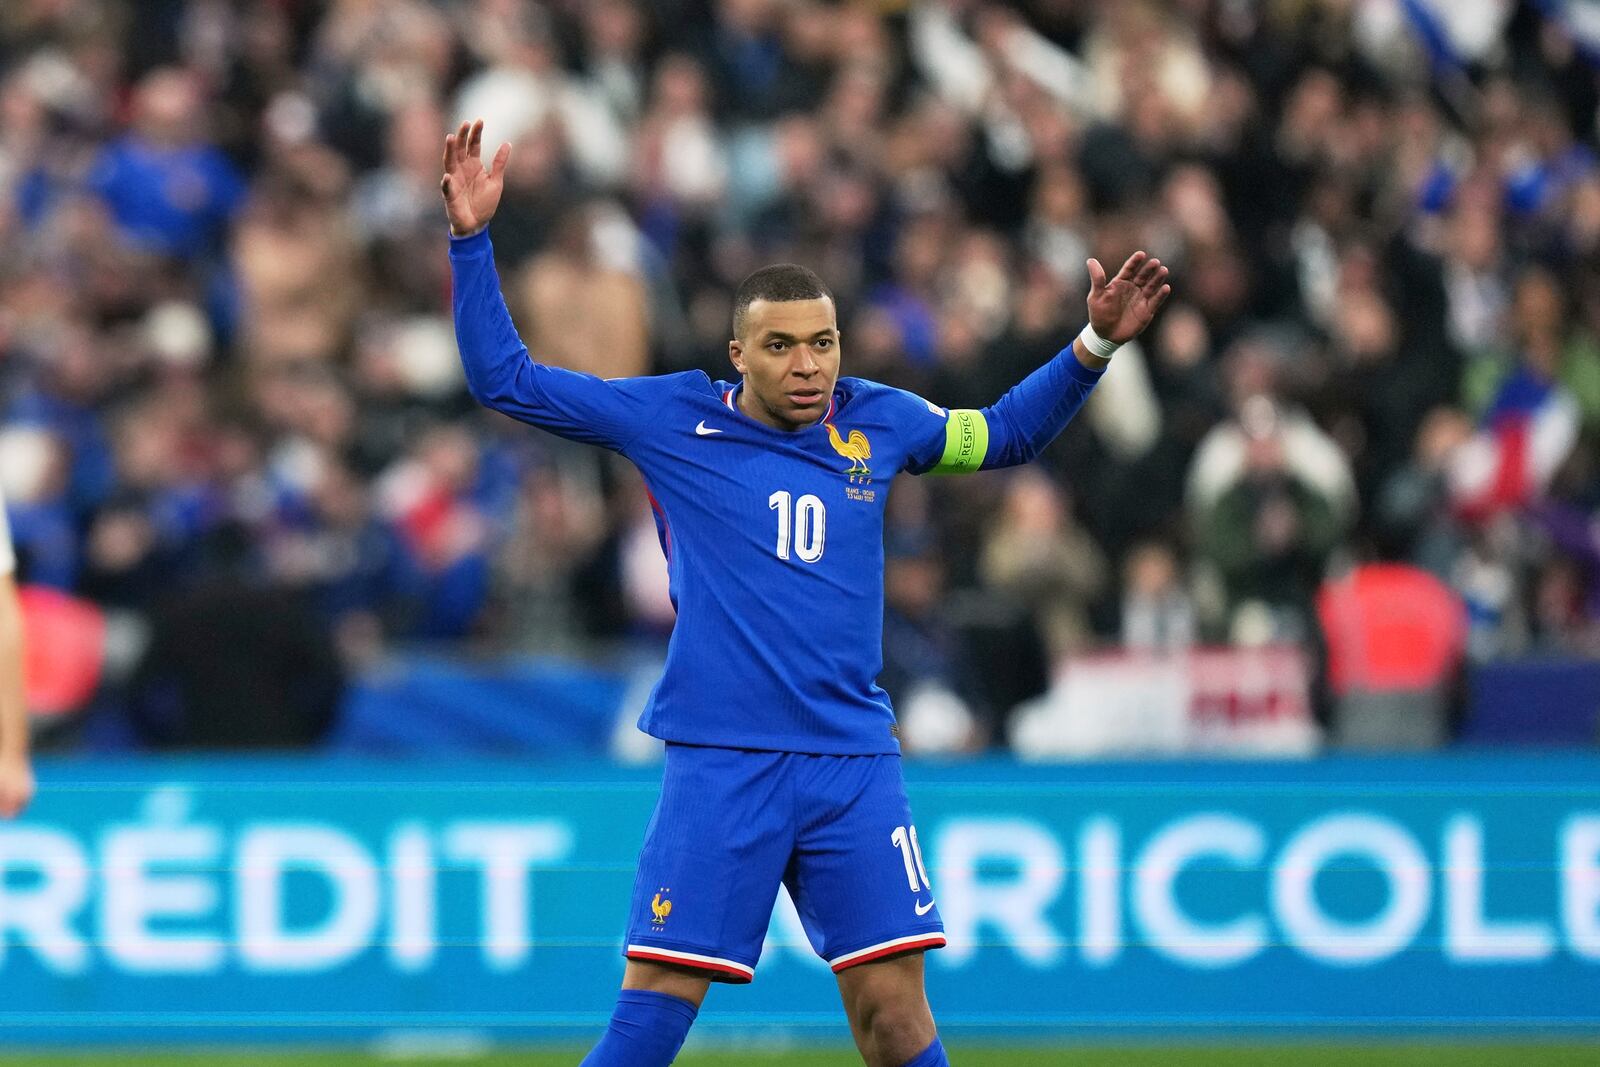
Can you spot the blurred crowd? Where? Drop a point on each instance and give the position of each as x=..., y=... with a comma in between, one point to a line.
x=234, y=417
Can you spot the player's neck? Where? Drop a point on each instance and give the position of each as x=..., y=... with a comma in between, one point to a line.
x=752, y=406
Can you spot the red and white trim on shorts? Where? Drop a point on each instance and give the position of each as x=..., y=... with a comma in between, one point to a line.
x=728, y=969
x=886, y=948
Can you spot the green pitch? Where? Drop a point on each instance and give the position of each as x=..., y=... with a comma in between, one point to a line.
x=1349, y=1055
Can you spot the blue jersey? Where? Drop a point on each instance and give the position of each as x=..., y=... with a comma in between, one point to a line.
x=773, y=539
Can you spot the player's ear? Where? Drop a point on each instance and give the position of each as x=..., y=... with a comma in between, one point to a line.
x=736, y=355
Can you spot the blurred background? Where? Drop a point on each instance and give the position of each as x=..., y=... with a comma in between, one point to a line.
x=1342, y=499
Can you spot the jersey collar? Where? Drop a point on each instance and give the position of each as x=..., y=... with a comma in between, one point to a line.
x=729, y=395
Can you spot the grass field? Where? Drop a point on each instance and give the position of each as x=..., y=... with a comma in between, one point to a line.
x=1344, y=1055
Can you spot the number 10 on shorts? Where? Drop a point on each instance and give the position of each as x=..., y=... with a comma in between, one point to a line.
x=905, y=839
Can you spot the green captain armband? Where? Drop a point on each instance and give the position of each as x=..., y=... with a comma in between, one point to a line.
x=966, y=442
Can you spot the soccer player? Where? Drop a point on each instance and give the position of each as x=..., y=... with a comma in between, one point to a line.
x=782, y=761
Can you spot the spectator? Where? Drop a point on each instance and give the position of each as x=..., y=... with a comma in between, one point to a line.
x=1269, y=534
x=353, y=567
x=679, y=158
x=287, y=244
x=614, y=39
x=1531, y=425
x=1157, y=615
x=33, y=470
x=1394, y=637
x=559, y=523
x=583, y=302
x=168, y=189
x=233, y=664
x=428, y=496
x=1253, y=368
x=1552, y=350
x=524, y=85
x=926, y=669
x=743, y=51
x=1038, y=555
x=394, y=208
x=1415, y=517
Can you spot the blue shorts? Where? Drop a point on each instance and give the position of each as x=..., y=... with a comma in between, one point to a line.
x=732, y=824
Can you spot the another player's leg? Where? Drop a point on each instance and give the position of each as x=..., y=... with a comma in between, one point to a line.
x=655, y=1009
x=889, y=1014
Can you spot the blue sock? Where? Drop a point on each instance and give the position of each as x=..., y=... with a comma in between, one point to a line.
x=932, y=1056
x=646, y=1030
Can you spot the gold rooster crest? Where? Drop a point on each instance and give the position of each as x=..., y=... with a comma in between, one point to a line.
x=855, y=449
x=661, y=908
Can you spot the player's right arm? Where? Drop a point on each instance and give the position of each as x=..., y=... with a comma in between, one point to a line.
x=500, y=373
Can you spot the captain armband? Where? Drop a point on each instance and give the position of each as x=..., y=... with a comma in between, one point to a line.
x=966, y=442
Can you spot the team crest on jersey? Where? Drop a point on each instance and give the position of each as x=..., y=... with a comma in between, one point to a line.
x=856, y=449
x=660, y=908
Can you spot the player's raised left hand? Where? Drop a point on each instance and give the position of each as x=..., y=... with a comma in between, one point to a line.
x=471, y=191
x=1120, y=308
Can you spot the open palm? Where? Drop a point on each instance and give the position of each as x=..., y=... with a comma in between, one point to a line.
x=1120, y=309
x=471, y=191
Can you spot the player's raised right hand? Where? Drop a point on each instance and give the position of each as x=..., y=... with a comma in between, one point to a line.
x=471, y=192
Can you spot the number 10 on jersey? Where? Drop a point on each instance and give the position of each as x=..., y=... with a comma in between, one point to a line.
x=802, y=523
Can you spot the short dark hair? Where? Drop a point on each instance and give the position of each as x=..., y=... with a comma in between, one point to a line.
x=781, y=281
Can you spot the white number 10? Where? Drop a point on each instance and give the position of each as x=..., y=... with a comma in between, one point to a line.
x=809, y=525
x=912, y=854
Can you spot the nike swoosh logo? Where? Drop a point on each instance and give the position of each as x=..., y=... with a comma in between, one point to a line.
x=703, y=430
x=923, y=909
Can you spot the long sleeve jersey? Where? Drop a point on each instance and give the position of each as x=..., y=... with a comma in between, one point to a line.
x=773, y=538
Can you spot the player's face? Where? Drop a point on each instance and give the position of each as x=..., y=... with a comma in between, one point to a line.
x=789, y=357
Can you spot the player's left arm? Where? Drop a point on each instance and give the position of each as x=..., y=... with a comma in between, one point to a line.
x=1018, y=426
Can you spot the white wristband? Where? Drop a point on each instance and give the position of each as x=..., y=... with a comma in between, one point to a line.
x=1097, y=345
